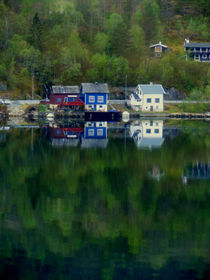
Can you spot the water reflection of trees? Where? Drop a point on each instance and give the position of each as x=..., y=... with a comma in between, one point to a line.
x=61, y=200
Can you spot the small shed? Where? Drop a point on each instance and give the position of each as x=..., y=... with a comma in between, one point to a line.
x=159, y=49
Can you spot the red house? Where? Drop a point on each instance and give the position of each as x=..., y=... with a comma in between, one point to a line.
x=65, y=135
x=65, y=97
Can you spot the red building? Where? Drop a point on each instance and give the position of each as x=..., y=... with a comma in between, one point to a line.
x=66, y=97
x=65, y=135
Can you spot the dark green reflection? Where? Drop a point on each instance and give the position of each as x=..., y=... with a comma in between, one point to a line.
x=114, y=213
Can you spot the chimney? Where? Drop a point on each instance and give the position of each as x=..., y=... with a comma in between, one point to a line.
x=186, y=41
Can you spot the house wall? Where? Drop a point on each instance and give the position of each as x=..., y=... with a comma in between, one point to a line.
x=61, y=132
x=96, y=102
x=152, y=106
x=95, y=130
x=152, y=129
x=199, y=54
x=60, y=100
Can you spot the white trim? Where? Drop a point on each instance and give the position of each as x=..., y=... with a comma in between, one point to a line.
x=159, y=45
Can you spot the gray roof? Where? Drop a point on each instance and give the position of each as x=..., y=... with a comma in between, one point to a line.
x=65, y=89
x=151, y=142
x=64, y=142
x=94, y=143
x=152, y=89
x=94, y=88
x=197, y=45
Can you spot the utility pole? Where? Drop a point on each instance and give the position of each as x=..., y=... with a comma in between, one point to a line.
x=126, y=84
x=32, y=86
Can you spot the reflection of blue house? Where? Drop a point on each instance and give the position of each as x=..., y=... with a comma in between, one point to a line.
x=96, y=96
x=95, y=135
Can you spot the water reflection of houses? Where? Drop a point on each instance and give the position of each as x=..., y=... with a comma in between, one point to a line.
x=95, y=135
x=3, y=135
x=147, y=134
x=156, y=173
x=196, y=170
x=65, y=134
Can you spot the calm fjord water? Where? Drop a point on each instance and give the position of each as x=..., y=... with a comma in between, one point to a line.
x=121, y=202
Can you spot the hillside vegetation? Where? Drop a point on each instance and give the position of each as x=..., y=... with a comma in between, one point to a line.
x=69, y=41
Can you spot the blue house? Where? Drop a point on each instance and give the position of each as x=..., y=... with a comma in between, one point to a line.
x=95, y=96
x=95, y=135
x=159, y=49
x=198, y=51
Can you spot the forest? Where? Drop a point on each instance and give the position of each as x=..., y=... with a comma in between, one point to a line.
x=72, y=41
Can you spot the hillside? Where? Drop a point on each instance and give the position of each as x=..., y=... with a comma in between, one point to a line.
x=69, y=41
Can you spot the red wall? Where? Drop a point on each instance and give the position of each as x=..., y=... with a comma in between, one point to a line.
x=54, y=100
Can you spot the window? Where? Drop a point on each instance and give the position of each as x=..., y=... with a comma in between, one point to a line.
x=58, y=132
x=157, y=107
x=100, y=106
x=71, y=99
x=100, y=124
x=90, y=106
x=91, y=99
x=100, y=99
x=158, y=49
x=59, y=100
x=156, y=130
x=148, y=130
x=204, y=56
x=149, y=100
x=157, y=100
x=100, y=132
x=91, y=132
x=158, y=54
x=151, y=123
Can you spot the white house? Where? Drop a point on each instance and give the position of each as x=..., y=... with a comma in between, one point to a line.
x=147, y=134
x=148, y=98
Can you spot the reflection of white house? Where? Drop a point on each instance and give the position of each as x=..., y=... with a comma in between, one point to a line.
x=156, y=174
x=95, y=135
x=148, y=98
x=147, y=134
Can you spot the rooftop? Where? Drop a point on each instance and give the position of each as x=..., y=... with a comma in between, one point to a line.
x=94, y=143
x=197, y=45
x=159, y=44
x=62, y=142
x=94, y=88
x=65, y=89
x=151, y=143
x=152, y=89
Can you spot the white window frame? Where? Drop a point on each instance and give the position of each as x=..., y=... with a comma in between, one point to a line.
x=100, y=132
x=204, y=56
x=100, y=99
x=91, y=99
x=91, y=132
